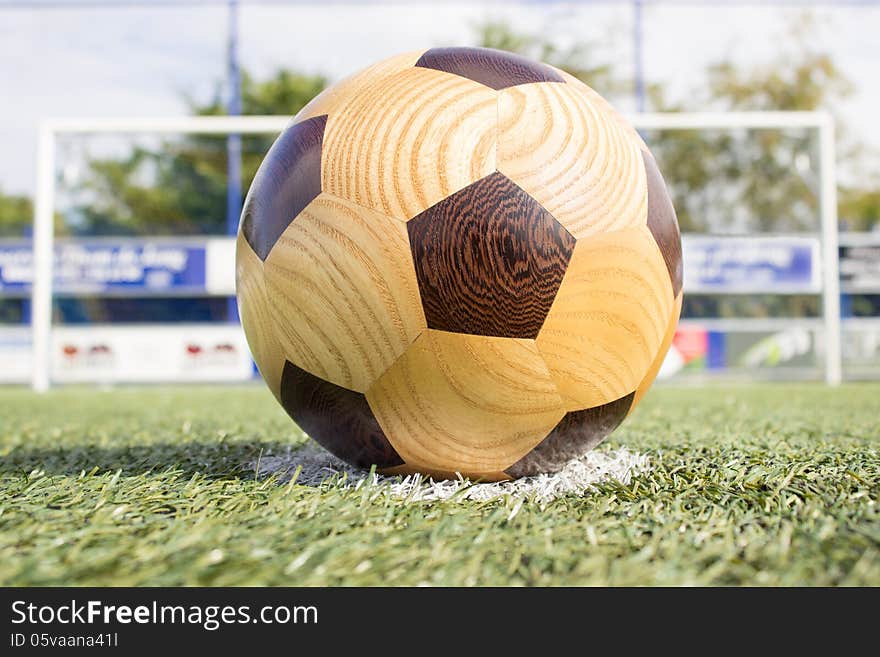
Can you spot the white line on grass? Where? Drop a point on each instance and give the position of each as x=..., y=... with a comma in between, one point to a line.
x=318, y=467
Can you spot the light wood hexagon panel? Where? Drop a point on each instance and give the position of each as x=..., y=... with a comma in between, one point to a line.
x=572, y=157
x=345, y=301
x=255, y=315
x=455, y=400
x=609, y=317
x=403, y=145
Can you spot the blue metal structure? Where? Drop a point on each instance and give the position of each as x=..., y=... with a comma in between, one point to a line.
x=638, y=57
x=233, y=142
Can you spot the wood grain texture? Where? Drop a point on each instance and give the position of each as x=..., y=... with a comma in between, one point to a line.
x=609, y=318
x=571, y=155
x=403, y=145
x=575, y=435
x=489, y=260
x=466, y=403
x=343, y=92
x=256, y=318
x=590, y=94
x=494, y=68
x=663, y=223
x=287, y=180
x=337, y=418
x=668, y=336
x=345, y=302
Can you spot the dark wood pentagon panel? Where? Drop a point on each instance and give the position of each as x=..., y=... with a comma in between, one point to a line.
x=489, y=260
x=337, y=418
x=287, y=181
x=662, y=222
x=576, y=433
x=494, y=68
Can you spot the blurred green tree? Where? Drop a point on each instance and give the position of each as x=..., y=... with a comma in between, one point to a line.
x=179, y=186
x=16, y=214
x=859, y=206
x=579, y=59
x=760, y=180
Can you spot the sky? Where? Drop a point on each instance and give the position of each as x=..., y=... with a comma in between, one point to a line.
x=145, y=61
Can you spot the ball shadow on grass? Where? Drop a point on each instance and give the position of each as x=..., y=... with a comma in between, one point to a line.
x=211, y=459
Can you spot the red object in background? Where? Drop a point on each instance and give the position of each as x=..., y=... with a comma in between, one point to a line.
x=70, y=350
x=691, y=342
x=193, y=349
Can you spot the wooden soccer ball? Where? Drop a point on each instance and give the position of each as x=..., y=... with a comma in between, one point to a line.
x=459, y=261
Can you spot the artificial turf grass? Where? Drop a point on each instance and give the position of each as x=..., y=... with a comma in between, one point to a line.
x=764, y=484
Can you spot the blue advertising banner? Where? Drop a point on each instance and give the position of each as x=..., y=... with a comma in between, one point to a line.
x=110, y=267
x=179, y=267
x=751, y=265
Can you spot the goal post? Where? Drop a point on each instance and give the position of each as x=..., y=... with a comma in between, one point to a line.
x=51, y=130
x=44, y=202
x=823, y=124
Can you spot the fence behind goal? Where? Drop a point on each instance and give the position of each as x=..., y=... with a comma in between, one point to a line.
x=191, y=267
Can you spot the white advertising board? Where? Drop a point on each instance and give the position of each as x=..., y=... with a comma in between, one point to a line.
x=185, y=353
